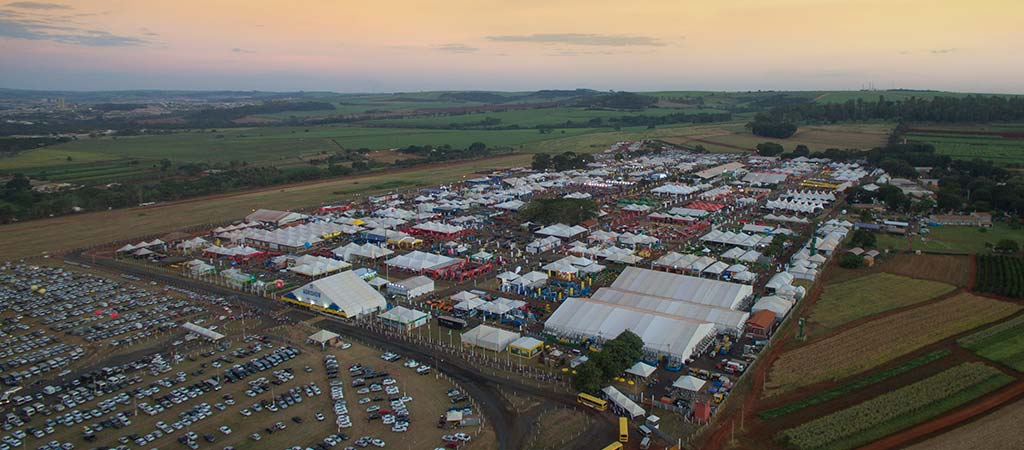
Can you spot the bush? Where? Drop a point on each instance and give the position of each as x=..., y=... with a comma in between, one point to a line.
x=851, y=261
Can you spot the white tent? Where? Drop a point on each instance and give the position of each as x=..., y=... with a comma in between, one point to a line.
x=402, y=317
x=344, y=292
x=641, y=369
x=491, y=338
x=622, y=402
x=716, y=293
x=689, y=383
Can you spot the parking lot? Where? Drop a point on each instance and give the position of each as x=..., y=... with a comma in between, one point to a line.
x=93, y=362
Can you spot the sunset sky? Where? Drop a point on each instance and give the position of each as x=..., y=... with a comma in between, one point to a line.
x=384, y=46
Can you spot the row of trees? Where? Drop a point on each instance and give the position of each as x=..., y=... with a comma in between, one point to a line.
x=615, y=357
x=971, y=108
x=561, y=161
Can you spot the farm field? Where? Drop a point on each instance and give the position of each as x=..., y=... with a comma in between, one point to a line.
x=39, y=236
x=261, y=145
x=880, y=340
x=1002, y=343
x=1001, y=275
x=999, y=149
x=952, y=269
x=872, y=294
x=816, y=137
x=952, y=239
x=896, y=410
x=853, y=386
x=529, y=118
x=978, y=435
x=866, y=95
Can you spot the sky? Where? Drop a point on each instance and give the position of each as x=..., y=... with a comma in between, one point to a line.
x=402, y=45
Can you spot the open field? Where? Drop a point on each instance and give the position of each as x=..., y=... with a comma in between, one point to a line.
x=733, y=138
x=981, y=434
x=528, y=118
x=272, y=145
x=952, y=269
x=39, y=236
x=1002, y=343
x=872, y=95
x=896, y=410
x=557, y=427
x=878, y=341
x=1002, y=143
x=815, y=137
x=953, y=239
x=872, y=294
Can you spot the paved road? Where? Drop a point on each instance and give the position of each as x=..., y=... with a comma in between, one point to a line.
x=512, y=429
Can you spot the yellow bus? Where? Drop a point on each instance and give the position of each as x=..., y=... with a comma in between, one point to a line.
x=623, y=430
x=614, y=446
x=591, y=401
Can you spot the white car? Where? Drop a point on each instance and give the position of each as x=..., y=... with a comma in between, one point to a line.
x=346, y=345
x=377, y=442
x=225, y=429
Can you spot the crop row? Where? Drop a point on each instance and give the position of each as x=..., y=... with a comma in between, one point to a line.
x=853, y=386
x=918, y=401
x=881, y=340
x=1001, y=274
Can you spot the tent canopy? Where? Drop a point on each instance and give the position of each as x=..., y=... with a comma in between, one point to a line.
x=689, y=383
x=641, y=369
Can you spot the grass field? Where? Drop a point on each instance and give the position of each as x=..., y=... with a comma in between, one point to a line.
x=39, y=236
x=532, y=117
x=978, y=435
x=1003, y=343
x=881, y=340
x=735, y=138
x=970, y=146
x=896, y=410
x=872, y=294
x=953, y=239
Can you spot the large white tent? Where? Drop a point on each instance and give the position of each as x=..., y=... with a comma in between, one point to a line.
x=344, y=292
x=489, y=337
x=703, y=291
x=418, y=261
x=662, y=333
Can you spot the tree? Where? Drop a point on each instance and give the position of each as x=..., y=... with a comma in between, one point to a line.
x=767, y=126
x=851, y=261
x=541, y=161
x=769, y=149
x=477, y=147
x=863, y=238
x=801, y=150
x=1008, y=246
x=777, y=245
x=18, y=182
x=588, y=378
x=165, y=164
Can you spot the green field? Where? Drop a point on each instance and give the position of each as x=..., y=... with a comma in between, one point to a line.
x=1003, y=343
x=529, y=118
x=258, y=146
x=953, y=239
x=963, y=146
x=107, y=159
x=872, y=294
x=896, y=410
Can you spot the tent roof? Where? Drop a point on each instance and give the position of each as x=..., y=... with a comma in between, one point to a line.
x=689, y=383
x=344, y=292
x=620, y=400
x=322, y=336
x=641, y=369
